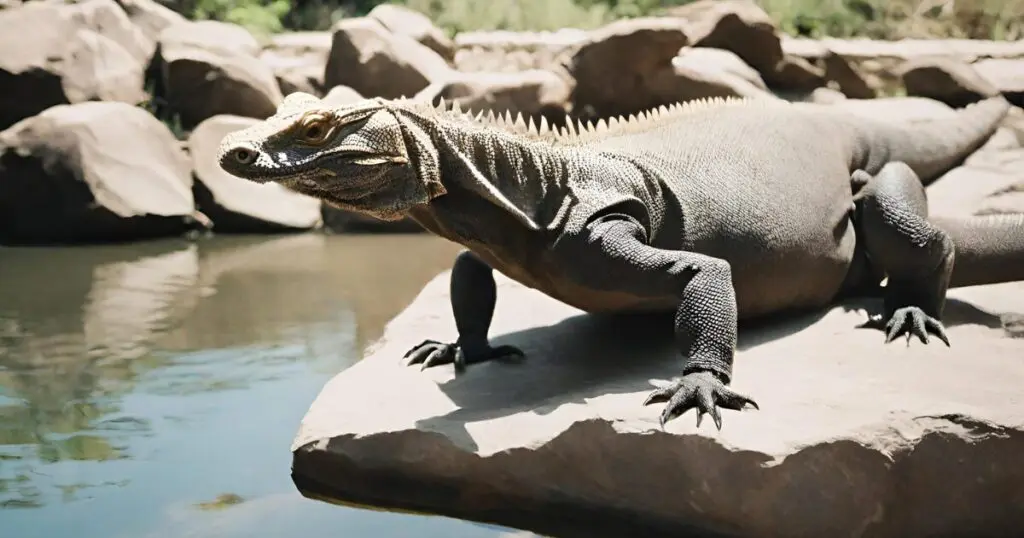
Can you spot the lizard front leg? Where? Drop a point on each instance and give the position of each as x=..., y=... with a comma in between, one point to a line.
x=616, y=256
x=915, y=255
x=473, y=296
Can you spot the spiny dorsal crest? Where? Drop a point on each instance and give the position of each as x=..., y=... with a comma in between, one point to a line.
x=576, y=132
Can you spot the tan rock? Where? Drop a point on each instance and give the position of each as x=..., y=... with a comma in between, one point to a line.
x=967, y=50
x=298, y=59
x=494, y=51
x=368, y=58
x=720, y=60
x=300, y=43
x=560, y=444
x=796, y=74
x=46, y=59
x=847, y=79
x=740, y=26
x=95, y=171
x=614, y=70
x=213, y=36
x=825, y=96
x=1007, y=75
x=107, y=18
x=203, y=69
x=534, y=92
x=150, y=16
x=236, y=205
x=408, y=22
x=342, y=95
x=948, y=80
x=698, y=73
x=299, y=76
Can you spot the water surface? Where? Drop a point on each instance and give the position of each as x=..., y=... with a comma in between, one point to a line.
x=153, y=389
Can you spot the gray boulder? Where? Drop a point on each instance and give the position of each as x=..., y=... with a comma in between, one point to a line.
x=854, y=437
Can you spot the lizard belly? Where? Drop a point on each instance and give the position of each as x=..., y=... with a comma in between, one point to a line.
x=542, y=276
x=782, y=257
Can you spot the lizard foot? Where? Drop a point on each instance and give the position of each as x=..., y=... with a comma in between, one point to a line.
x=912, y=321
x=433, y=353
x=702, y=391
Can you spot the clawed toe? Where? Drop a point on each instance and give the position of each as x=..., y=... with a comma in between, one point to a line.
x=912, y=321
x=701, y=391
x=433, y=353
x=429, y=353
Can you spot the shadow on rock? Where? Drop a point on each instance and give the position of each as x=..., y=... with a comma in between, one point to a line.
x=583, y=357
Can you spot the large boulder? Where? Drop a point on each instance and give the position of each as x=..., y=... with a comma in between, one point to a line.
x=90, y=172
x=532, y=92
x=107, y=18
x=50, y=54
x=375, y=62
x=298, y=59
x=702, y=72
x=202, y=69
x=402, y=20
x=235, y=205
x=341, y=95
x=615, y=69
x=150, y=16
x=946, y=79
x=1007, y=75
x=854, y=437
x=743, y=27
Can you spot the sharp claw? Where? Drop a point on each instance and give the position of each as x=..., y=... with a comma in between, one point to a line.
x=411, y=359
x=751, y=403
x=700, y=417
x=655, y=396
x=716, y=415
x=433, y=358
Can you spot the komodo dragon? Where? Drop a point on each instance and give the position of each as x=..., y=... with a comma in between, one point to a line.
x=717, y=210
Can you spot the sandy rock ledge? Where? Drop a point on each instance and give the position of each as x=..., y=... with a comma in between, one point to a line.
x=855, y=438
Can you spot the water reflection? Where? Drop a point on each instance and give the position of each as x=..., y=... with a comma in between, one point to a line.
x=139, y=381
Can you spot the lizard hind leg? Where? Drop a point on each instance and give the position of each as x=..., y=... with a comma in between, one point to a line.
x=916, y=256
x=473, y=295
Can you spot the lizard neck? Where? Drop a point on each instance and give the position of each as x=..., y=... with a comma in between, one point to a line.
x=527, y=180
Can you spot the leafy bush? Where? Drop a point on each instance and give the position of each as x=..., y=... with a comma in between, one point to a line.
x=879, y=19
x=897, y=19
x=258, y=16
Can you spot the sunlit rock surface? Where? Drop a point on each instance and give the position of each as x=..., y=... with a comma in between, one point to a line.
x=854, y=437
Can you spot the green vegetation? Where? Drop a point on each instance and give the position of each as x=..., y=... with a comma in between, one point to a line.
x=879, y=19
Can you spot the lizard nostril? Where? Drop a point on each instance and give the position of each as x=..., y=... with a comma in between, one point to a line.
x=244, y=156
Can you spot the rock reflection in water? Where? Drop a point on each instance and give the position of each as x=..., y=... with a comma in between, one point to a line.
x=130, y=375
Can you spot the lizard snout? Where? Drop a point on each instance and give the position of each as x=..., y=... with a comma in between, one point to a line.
x=239, y=158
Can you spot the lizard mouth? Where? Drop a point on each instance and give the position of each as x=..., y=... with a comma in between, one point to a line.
x=350, y=164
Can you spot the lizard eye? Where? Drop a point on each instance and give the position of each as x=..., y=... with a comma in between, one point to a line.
x=314, y=130
x=244, y=156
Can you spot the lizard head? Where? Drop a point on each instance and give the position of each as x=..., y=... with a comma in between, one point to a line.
x=364, y=157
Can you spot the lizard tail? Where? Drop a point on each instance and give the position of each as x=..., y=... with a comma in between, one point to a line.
x=989, y=249
x=934, y=147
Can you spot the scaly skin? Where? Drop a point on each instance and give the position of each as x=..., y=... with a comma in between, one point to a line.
x=717, y=210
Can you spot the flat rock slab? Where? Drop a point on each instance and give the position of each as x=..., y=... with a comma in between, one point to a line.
x=854, y=437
